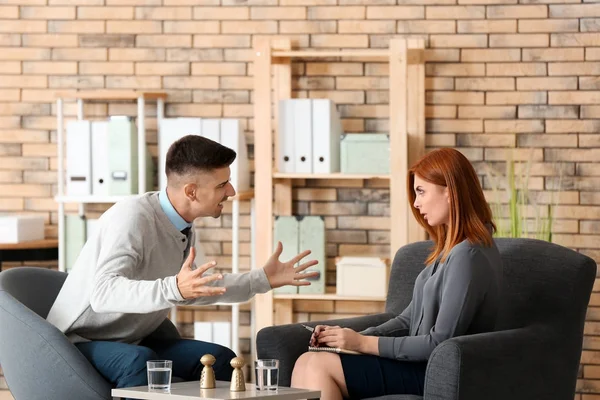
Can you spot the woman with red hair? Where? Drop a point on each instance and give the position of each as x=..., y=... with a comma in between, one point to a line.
x=458, y=293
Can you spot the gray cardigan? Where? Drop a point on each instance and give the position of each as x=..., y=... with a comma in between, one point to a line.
x=458, y=297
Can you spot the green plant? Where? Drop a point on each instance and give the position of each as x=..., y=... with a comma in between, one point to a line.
x=515, y=222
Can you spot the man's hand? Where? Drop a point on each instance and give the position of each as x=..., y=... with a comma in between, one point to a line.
x=281, y=274
x=190, y=282
x=335, y=336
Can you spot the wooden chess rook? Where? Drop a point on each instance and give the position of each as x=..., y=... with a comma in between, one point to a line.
x=207, y=378
x=238, y=383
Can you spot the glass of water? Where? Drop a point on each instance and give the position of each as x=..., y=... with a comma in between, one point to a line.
x=159, y=375
x=267, y=374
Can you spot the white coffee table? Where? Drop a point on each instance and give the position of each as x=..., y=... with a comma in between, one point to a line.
x=192, y=391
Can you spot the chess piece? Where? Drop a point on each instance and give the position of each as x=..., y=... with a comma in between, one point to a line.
x=238, y=383
x=207, y=378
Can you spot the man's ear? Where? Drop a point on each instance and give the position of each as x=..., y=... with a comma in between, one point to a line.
x=189, y=189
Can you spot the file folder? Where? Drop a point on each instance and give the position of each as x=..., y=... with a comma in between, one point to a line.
x=79, y=160
x=286, y=232
x=303, y=135
x=285, y=137
x=312, y=237
x=100, y=157
x=233, y=137
x=326, y=132
x=171, y=130
x=123, y=156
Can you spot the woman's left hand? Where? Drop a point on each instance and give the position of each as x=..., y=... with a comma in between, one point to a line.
x=343, y=338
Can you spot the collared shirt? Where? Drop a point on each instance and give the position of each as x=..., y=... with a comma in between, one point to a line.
x=176, y=219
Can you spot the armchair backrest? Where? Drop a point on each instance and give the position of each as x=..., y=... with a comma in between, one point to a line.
x=35, y=288
x=543, y=283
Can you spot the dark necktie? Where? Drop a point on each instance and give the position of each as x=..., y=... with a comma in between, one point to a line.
x=186, y=231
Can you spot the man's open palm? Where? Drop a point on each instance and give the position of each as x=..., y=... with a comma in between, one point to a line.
x=287, y=273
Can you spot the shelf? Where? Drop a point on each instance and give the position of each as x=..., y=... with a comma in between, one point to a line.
x=31, y=244
x=332, y=53
x=247, y=195
x=90, y=199
x=337, y=175
x=325, y=297
x=111, y=95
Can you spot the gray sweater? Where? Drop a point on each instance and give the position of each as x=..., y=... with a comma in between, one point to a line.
x=124, y=281
x=458, y=297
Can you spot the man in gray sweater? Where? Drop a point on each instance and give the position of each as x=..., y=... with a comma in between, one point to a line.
x=140, y=263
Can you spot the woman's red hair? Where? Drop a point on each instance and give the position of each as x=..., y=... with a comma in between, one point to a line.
x=469, y=211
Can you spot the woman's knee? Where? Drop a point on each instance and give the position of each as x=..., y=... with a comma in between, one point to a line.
x=137, y=359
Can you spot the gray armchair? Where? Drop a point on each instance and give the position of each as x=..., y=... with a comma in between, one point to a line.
x=534, y=352
x=38, y=360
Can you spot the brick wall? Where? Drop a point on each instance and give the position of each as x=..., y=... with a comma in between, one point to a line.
x=500, y=75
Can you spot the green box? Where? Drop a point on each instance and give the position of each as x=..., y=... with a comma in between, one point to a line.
x=365, y=153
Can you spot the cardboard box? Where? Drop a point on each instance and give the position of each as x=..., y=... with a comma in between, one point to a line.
x=21, y=228
x=361, y=276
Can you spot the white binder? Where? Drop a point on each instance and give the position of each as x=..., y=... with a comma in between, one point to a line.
x=79, y=163
x=303, y=135
x=211, y=129
x=285, y=137
x=203, y=331
x=171, y=130
x=233, y=137
x=326, y=134
x=221, y=333
x=100, y=172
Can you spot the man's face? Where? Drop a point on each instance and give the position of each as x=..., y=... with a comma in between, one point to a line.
x=212, y=190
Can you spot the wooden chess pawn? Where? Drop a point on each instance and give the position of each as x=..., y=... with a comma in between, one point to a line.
x=238, y=383
x=207, y=378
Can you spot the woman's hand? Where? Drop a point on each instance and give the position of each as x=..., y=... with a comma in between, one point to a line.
x=335, y=336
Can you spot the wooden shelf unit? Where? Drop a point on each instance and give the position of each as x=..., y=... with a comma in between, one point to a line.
x=273, y=82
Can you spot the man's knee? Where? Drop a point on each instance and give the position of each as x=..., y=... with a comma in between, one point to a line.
x=135, y=360
x=222, y=367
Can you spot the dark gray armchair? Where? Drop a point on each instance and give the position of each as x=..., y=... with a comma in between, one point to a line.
x=38, y=360
x=534, y=352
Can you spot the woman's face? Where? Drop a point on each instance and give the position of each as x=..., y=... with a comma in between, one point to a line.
x=432, y=201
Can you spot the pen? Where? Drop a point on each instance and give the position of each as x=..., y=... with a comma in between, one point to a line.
x=308, y=327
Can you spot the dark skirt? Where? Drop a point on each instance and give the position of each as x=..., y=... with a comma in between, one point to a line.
x=373, y=376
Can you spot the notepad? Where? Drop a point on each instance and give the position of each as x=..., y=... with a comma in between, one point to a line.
x=333, y=350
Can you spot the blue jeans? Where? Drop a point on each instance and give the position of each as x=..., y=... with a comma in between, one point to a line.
x=124, y=365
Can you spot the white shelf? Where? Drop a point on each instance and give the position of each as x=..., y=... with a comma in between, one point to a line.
x=90, y=199
x=336, y=175
x=325, y=297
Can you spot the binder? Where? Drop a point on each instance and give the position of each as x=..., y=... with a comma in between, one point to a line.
x=79, y=160
x=312, y=237
x=211, y=129
x=91, y=227
x=100, y=157
x=233, y=137
x=286, y=232
x=75, y=238
x=285, y=137
x=171, y=130
x=303, y=135
x=221, y=333
x=203, y=331
x=123, y=156
x=326, y=133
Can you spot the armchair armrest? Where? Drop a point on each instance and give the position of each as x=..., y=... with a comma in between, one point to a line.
x=513, y=364
x=287, y=342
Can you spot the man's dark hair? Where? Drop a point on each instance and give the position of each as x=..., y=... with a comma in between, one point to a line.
x=193, y=152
